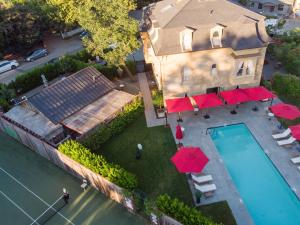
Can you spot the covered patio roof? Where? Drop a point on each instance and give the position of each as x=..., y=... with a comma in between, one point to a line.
x=177, y=105
x=100, y=111
x=207, y=100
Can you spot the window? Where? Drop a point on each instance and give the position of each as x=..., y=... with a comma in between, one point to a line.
x=216, y=36
x=186, y=41
x=272, y=8
x=186, y=72
x=4, y=64
x=241, y=69
x=260, y=6
x=249, y=68
x=252, y=4
x=214, y=69
x=280, y=7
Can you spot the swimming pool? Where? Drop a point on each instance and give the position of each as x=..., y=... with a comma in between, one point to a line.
x=267, y=196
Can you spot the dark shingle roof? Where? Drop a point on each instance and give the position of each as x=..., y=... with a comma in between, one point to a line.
x=244, y=29
x=71, y=94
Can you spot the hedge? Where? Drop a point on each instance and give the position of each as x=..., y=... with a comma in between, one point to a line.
x=66, y=65
x=32, y=79
x=181, y=212
x=98, y=164
x=287, y=86
x=130, y=112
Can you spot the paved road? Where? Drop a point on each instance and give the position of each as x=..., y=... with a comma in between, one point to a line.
x=57, y=47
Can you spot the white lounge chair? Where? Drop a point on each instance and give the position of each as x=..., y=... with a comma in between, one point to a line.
x=296, y=160
x=202, y=179
x=288, y=141
x=284, y=134
x=205, y=188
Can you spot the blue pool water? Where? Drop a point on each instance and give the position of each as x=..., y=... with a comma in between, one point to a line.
x=267, y=196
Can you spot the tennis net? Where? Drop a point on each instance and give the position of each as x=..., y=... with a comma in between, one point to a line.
x=50, y=212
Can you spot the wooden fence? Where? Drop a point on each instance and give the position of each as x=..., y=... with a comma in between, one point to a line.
x=45, y=149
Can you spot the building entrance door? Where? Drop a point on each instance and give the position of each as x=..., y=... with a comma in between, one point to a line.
x=212, y=90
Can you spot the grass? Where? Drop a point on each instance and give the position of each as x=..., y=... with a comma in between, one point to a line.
x=156, y=174
x=219, y=212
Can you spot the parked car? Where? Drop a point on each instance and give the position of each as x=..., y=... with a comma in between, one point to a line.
x=83, y=34
x=36, y=54
x=8, y=65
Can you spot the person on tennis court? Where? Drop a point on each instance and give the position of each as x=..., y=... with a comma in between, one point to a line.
x=66, y=196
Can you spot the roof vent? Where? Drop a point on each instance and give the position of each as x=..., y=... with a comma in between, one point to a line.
x=211, y=11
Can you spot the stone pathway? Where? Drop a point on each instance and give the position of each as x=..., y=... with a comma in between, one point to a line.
x=150, y=115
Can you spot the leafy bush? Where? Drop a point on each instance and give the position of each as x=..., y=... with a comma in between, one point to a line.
x=289, y=52
x=104, y=133
x=157, y=98
x=181, y=212
x=6, y=95
x=98, y=164
x=287, y=86
x=111, y=72
x=32, y=79
x=131, y=66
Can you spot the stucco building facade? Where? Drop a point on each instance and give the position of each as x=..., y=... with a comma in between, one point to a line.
x=274, y=7
x=202, y=46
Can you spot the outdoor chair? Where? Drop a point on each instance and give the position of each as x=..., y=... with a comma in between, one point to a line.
x=206, y=189
x=296, y=160
x=201, y=179
x=284, y=134
x=84, y=184
x=288, y=141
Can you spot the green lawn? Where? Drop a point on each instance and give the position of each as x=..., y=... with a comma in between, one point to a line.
x=219, y=212
x=155, y=172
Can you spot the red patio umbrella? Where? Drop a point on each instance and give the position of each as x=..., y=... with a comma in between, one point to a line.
x=178, y=105
x=285, y=111
x=205, y=101
x=258, y=93
x=179, y=133
x=295, y=131
x=235, y=96
x=189, y=160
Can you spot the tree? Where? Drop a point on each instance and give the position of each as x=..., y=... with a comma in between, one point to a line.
x=113, y=34
x=6, y=95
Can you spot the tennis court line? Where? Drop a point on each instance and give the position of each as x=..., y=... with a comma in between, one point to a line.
x=42, y=200
x=16, y=205
x=35, y=221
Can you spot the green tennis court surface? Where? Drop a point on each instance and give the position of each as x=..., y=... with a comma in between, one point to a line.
x=29, y=185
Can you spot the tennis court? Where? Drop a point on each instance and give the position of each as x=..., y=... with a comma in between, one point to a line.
x=31, y=190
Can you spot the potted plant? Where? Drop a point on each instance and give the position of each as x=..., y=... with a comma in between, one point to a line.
x=158, y=103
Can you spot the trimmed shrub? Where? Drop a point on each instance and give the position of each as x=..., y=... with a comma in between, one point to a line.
x=181, y=212
x=98, y=164
x=157, y=98
x=130, y=112
x=287, y=86
x=111, y=72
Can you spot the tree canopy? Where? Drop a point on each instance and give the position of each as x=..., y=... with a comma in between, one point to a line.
x=112, y=33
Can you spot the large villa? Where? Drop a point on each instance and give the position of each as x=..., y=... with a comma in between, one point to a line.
x=208, y=56
x=199, y=126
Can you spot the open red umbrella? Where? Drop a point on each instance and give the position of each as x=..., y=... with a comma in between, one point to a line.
x=189, y=160
x=285, y=111
x=179, y=133
x=295, y=131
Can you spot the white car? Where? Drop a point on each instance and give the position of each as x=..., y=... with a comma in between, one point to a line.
x=8, y=65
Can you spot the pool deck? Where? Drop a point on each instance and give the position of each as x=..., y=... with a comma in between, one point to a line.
x=261, y=128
